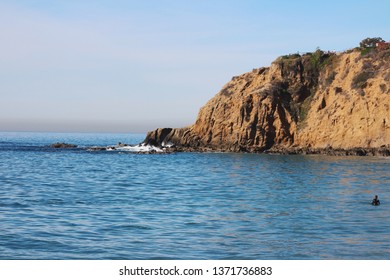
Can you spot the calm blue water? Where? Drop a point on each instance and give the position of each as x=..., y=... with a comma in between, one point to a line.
x=75, y=204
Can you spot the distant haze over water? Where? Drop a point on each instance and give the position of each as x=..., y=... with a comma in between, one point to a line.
x=86, y=126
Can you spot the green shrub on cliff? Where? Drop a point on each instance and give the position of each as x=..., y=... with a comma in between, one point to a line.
x=319, y=58
x=290, y=56
x=315, y=57
x=365, y=51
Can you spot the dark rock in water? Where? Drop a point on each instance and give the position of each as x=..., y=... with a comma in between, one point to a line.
x=156, y=138
x=60, y=145
x=97, y=149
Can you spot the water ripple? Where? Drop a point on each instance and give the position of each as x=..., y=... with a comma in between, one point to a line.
x=80, y=205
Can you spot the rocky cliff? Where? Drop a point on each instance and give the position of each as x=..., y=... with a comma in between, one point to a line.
x=312, y=103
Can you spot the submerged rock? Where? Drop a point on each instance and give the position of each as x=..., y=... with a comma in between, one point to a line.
x=61, y=145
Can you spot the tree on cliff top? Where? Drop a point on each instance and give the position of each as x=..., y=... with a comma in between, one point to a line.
x=370, y=42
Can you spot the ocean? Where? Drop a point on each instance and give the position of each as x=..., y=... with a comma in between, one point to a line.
x=81, y=204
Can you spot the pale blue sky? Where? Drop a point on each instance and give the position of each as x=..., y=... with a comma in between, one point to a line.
x=131, y=66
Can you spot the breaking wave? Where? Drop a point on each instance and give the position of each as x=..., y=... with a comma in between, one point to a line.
x=140, y=148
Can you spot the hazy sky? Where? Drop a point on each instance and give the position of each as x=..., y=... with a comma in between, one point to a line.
x=132, y=66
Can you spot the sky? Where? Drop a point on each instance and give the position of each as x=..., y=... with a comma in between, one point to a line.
x=132, y=66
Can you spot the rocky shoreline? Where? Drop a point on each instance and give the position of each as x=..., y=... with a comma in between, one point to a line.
x=171, y=148
x=382, y=151
x=329, y=151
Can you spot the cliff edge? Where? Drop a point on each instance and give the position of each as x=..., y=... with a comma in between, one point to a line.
x=318, y=102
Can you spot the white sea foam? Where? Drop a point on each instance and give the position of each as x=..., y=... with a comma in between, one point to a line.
x=168, y=145
x=139, y=148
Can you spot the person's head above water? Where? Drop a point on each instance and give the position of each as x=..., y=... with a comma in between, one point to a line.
x=375, y=201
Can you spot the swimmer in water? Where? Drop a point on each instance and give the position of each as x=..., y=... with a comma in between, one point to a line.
x=376, y=201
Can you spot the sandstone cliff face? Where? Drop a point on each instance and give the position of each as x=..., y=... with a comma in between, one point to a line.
x=353, y=110
x=313, y=101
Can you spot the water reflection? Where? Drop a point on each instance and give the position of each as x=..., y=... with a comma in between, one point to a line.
x=192, y=206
